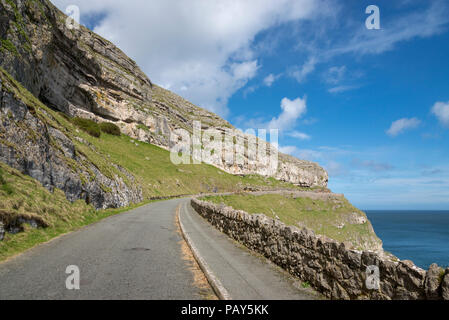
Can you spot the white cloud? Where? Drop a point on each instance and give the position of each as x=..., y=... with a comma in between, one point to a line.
x=441, y=111
x=291, y=150
x=292, y=110
x=340, y=89
x=335, y=74
x=200, y=49
x=270, y=79
x=335, y=169
x=401, y=125
x=299, y=135
x=417, y=24
x=372, y=165
x=244, y=70
x=301, y=73
x=304, y=154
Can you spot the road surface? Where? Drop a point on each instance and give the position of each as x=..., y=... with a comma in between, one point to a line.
x=139, y=255
x=244, y=274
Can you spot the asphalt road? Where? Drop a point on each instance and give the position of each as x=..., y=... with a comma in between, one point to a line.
x=139, y=255
x=135, y=255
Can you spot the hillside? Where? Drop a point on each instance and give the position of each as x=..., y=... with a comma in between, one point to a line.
x=81, y=74
x=59, y=89
x=62, y=173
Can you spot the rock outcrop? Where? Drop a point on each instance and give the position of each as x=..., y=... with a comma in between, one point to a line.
x=433, y=281
x=2, y=231
x=81, y=74
x=327, y=265
x=445, y=286
x=32, y=141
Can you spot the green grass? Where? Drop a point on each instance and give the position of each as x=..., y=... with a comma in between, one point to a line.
x=4, y=186
x=2, y=180
x=149, y=164
x=158, y=176
x=8, y=45
x=441, y=275
x=35, y=202
x=325, y=217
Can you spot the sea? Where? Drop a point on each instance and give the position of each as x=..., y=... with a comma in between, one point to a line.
x=419, y=236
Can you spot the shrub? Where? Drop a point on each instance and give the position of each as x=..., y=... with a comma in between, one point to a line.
x=7, y=189
x=8, y=45
x=2, y=180
x=110, y=128
x=89, y=126
x=143, y=127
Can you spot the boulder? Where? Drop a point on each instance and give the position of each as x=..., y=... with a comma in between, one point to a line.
x=432, y=282
x=445, y=286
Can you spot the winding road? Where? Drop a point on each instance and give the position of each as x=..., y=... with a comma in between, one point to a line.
x=141, y=254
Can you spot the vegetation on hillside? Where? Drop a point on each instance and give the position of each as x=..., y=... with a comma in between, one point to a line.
x=89, y=126
x=158, y=176
x=333, y=217
x=23, y=197
x=150, y=165
x=110, y=128
x=95, y=129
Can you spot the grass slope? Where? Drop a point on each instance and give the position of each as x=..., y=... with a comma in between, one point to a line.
x=326, y=217
x=158, y=176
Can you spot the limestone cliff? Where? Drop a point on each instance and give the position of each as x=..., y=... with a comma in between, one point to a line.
x=36, y=143
x=81, y=74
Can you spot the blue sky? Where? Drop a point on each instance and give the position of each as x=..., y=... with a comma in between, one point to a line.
x=371, y=106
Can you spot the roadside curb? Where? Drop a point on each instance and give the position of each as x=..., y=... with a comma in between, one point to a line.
x=216, y=284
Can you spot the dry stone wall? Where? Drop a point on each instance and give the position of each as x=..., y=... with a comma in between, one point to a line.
x=328, y=266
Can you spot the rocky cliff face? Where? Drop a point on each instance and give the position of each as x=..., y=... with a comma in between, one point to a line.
x=81, y=74
x=33, y=141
